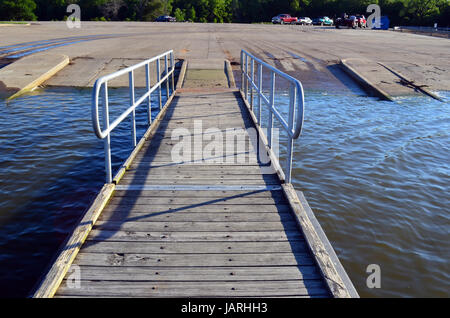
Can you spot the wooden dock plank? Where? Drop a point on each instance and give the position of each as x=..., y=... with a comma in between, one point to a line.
x=219, y=273
x=186, y=216
x=200, y=194
x=166, y=201
x=195, y=289
x=157, y=247
x=193, y=260
x=117, y=207
x=194, y=226
x=196, y=236
x=152, y=181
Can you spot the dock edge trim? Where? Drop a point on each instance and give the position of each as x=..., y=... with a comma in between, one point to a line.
x=229, y=74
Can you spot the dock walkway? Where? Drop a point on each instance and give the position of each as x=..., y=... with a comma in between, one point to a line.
x=219, y=225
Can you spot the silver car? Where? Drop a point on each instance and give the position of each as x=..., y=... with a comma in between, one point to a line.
x=304, y=21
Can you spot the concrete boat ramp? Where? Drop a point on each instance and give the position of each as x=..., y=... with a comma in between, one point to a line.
x=224, y=225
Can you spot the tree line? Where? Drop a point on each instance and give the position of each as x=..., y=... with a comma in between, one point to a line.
x=400, y=12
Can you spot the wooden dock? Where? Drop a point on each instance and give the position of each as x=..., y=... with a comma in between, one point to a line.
x=220, y=226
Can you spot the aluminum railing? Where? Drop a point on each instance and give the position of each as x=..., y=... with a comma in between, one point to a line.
x=294, y=123
x=103, y=82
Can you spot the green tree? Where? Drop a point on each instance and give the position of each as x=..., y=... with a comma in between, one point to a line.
x=191, y=14
x=154, y=9
x=142, y=10
x=423, y=10
x=179, y=14
x=17, y=10
x=220, y=11
x=400, y=12
x=167, y=5
x=111, y=9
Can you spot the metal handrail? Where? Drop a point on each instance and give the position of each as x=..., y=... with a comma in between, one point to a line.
x=103, y=81
x=296, y=104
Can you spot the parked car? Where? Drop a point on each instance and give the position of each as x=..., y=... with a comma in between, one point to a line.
x=362, y=22
x=304, y=21
x=166, y=18
x=346, y=21
x=284, y=19
x=322, y=21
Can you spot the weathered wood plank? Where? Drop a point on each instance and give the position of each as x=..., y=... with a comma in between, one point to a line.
x=221, y=273
x=181, y=209
x=237, y=158
x=193, y=260
x=150, y=180
x=195, y=289
x=200, y=167
x=201, y=194
x=169, y=164
x=139, y=200
x=101, y=246
x=142, y=176
x=196, y=236
x=140, y=226
x=214, y=172
x=122, y=215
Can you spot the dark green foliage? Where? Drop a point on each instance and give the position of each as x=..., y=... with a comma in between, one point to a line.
x=18, y=10
x=400, y=12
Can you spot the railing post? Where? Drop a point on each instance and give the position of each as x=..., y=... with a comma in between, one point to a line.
x=272, y=103
x=166, y=69
x=107, y=141
x=172, y=67
x=158, y=79
x=133, y=113
x=149, y=100
x=251, y=83
x=290, y=148
x=246, y=77
x=242, y=71
x=260, y=78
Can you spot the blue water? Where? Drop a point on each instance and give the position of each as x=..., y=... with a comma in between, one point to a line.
x=375, y=173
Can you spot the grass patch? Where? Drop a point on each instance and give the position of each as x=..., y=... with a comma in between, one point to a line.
x=13, y=22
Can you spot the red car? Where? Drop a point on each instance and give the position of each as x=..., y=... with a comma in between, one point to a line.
x=284, y=19
x=362, y=22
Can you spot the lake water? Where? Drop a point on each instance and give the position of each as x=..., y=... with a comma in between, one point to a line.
x=375, y=173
